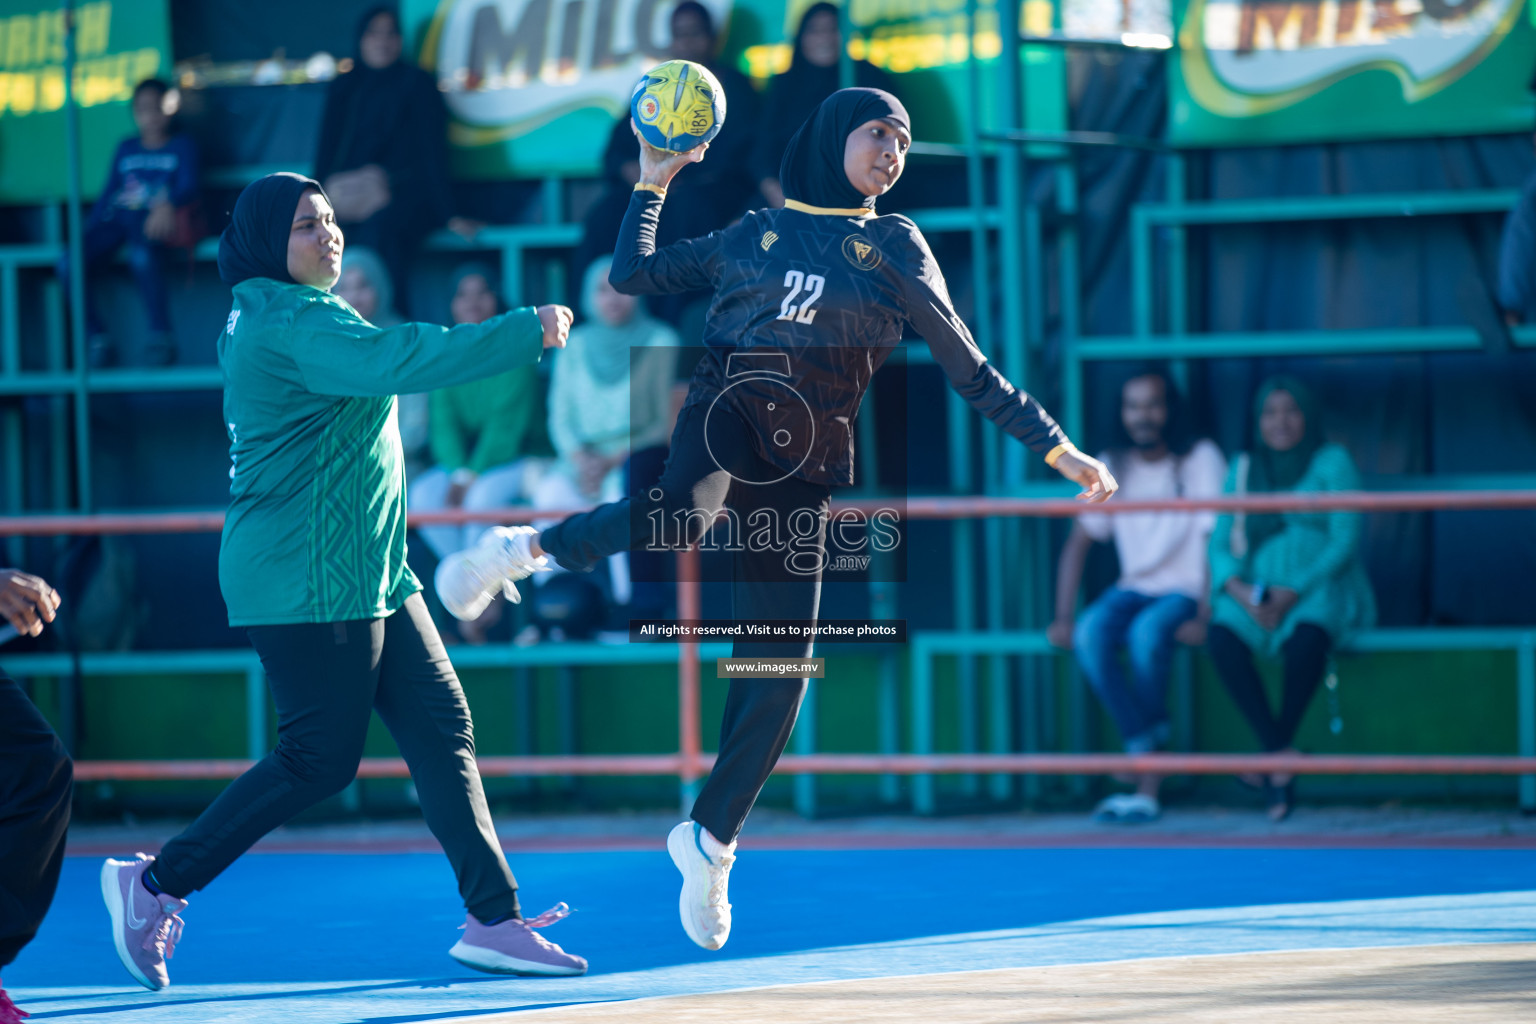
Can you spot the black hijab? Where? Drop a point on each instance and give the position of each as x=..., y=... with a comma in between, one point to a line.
x=802, y=68
x=812, y=169
x=256, y=242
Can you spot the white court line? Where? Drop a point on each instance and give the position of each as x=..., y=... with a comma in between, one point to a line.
x=1347, y=924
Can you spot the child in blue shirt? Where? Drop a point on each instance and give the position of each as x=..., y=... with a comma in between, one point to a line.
x=152, y=175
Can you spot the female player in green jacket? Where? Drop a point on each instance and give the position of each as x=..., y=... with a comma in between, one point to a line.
x=313, y=567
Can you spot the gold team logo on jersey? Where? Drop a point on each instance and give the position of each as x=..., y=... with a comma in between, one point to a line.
x=860, y=253
x=768, y=239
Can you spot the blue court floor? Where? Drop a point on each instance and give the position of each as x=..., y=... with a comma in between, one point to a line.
x=332, y=938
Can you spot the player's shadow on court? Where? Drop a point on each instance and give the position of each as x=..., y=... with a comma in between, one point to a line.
x=161, y=1000
x=162, y=1004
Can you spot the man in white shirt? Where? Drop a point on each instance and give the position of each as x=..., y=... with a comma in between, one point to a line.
x=1162, y=595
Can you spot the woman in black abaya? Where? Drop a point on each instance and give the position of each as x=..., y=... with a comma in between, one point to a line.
x=383, y=149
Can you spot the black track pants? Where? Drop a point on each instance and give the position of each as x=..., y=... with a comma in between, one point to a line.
x=774, y=582
x=326, y=678
x=35, y=789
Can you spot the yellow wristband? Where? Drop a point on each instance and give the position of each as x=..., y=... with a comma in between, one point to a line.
x=643, y=187
x=1056, y=453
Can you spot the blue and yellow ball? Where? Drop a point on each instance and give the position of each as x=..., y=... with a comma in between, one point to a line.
x=678, y=106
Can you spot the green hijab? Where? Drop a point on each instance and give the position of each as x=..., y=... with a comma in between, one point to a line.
x=1270, y=470
x=360, y=257
x=603, y=346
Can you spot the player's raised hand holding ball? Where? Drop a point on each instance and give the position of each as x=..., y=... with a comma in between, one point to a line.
x=677, y=108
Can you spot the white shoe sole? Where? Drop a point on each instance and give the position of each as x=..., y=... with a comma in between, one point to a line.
x=680, y=848
x=112, y=894
x=492, y=962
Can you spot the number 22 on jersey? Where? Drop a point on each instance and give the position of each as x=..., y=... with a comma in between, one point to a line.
x=803, y=312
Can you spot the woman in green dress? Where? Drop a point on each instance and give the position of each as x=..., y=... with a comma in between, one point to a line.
x=313, y=567
x=1287, y=585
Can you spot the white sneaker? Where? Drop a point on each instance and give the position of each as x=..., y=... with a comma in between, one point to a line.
x=467, y=580
x=1127, y=809
x=1108, y=810
x=702, y=905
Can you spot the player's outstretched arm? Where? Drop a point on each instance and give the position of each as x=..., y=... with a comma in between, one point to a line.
x=337, y=353
x=639, y=268
x=930, y=310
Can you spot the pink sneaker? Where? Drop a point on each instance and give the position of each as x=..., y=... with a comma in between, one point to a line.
x=145, y=927
x=513, y=947
x=10, y=1013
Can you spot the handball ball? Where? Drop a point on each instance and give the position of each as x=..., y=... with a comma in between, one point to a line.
x=678, y=106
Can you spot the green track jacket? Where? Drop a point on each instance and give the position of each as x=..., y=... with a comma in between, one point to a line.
x=316, y=524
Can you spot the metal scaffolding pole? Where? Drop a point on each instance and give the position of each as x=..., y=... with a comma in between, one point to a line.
x=76, y=271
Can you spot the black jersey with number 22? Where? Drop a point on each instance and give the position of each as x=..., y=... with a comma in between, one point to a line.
x=808, y=305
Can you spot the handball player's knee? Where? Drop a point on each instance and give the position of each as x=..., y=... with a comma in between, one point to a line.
x=324, y=774
x=332, y=779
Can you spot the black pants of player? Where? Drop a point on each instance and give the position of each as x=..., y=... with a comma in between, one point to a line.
x=650, y=572
x=326, y=678
x=36, y=779
x=1304, y=657
x=699, y=480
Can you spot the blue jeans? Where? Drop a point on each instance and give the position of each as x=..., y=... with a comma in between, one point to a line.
x=1144, y=626
x=101, y=239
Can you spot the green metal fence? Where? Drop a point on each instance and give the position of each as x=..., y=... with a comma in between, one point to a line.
x=1010, y=248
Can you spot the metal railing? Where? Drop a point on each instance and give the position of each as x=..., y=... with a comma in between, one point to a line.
x=689, y=762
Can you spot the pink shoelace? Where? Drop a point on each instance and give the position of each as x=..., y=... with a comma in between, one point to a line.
x=558, y=912
x=10, y=1013
x=165, y=934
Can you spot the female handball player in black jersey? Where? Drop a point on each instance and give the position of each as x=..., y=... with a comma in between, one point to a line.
x=809, y=301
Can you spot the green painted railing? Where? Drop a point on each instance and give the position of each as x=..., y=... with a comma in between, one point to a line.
x=245, y=662
x=927, y=646
x=1178, y=342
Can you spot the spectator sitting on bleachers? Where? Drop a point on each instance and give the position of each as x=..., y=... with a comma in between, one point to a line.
x=366, y=287
x=383, y=149
x=813, y=75
x=145, y=206
x=720, y=188
x=1159, y=598
x=1290, y=584
x=488, y=438
x=610, y=414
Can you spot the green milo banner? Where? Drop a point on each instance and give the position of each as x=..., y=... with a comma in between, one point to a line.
x=1258, y=72
x=118, y=43
x=533, y=86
